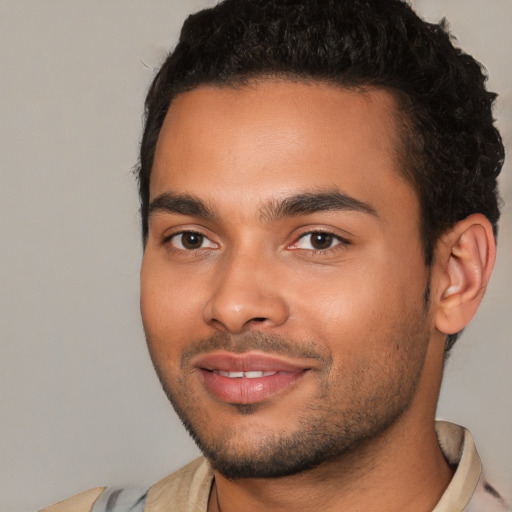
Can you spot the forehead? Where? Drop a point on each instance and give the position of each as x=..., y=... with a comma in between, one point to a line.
x=273, y=138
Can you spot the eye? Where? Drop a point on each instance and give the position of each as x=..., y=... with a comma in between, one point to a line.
x=190, y=241
x=318, y=241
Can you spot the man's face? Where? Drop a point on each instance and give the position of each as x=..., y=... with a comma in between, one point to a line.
x=283, y=284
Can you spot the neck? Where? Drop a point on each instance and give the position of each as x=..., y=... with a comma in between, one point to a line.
x=403, y=470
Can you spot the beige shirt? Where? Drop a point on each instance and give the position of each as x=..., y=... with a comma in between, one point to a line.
x=188, y=489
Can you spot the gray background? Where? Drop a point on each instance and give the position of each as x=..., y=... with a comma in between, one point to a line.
x=80, y=406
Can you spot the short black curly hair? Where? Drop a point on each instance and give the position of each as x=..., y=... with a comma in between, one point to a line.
x=451, y=151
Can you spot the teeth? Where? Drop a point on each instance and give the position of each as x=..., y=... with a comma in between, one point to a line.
x=253, y=375
x=232, y=375
x=247, y=375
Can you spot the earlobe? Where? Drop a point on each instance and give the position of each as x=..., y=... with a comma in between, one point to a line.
x=465, y=260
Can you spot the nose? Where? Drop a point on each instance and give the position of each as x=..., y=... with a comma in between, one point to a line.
x=245, y=295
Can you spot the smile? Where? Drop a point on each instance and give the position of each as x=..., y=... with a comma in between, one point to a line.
x=248, y=377
x=244, y=375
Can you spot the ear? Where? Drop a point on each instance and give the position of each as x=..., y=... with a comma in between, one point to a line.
x=464, y=261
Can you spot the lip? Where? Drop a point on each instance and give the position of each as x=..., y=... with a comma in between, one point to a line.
x=242, y=390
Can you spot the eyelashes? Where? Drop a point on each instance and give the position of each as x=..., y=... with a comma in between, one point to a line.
x=318, y=241
x=190, y=241
x=314, y=241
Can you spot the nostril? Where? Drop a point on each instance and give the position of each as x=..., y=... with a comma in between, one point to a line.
x=258, y=319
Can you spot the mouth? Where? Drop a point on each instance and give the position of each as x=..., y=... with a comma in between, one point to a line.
x=248, y=378
x=244, y=375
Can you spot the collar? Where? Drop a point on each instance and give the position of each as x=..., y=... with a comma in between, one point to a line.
x=468, y=490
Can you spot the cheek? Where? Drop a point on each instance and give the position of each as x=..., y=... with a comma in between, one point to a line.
x=356, y=307
x=170, y=306
x=349, y=292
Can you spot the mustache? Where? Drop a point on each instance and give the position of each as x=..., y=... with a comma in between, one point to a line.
x=255, y=341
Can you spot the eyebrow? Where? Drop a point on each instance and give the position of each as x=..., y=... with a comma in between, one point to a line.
x=312, y=202
x=299, y=204
x=183, y=204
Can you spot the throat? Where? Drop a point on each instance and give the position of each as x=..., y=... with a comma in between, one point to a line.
x=368, y=479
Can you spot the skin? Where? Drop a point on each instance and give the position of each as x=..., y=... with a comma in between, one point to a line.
x=358, y=308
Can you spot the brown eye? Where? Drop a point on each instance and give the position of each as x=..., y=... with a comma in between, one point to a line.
x=318, y=241
x=190, y=241
x=321, y=241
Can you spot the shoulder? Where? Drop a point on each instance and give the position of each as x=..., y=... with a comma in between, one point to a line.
x=82, y=502
x=103, y=499
x=189, y=487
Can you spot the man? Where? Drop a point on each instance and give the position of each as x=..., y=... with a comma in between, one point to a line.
x=319, y=205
